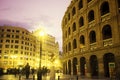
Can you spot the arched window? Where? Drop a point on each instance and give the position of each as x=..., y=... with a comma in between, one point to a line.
x=106, y=32
x=80, y=5
x=91, y=16
x=69, y=46
x=92, y=37
x=81, y=21
x=89, y=1
x=82, y=40
x=73, y=11
x=104, y=8
x=74, y=27
x=118, y=3
x=74, y=44
x=69, y=32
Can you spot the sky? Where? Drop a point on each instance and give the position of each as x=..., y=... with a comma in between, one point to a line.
x=34, y=14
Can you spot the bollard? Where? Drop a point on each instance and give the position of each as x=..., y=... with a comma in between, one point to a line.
x=58, y=77
x=76, y=77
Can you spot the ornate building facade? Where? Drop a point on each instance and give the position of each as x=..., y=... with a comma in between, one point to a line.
x=91, y=38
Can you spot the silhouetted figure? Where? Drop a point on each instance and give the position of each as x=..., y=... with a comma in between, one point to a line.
x=27, y=70
x=32, y=70
x=15, y=72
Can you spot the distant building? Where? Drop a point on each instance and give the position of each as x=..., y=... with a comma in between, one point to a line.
x=91, y=38
x=18, y=46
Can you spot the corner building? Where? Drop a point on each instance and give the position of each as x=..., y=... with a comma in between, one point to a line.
x=17, y=47
x=91, y=38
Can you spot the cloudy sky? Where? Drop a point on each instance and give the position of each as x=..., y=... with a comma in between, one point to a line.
x=33, y=14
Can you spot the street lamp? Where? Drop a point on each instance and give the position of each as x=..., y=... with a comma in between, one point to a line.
x=39, y=73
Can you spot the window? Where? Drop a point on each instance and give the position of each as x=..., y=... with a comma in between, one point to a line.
x=7, y=41
x=73, y=11
x=80, y=4
x=81, y=22
x=106, y=32
x=16, y=46
x=91, y=16
x=8, y=30
x=0, y=45
x=104, y=8
x=17, y=31
x=74, y=27
x=69, y=46
x=16, y=41
x=82, y=40
x=74, y=44
x=17, y=36
x=92, y=37
x=6, y=46
x=8, y=36
x=69, y=32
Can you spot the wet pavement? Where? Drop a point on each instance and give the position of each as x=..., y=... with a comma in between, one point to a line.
x=18, y=77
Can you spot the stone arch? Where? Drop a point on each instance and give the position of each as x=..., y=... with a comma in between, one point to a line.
x=75, y=66
x=94, y=65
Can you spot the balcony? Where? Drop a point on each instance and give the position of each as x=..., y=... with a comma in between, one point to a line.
x=107, y=42
x=105, y=17
x=93, y=46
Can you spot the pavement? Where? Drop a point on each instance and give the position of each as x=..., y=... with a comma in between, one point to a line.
x=17, y=77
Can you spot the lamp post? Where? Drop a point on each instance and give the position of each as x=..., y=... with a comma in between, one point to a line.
x=39, y=73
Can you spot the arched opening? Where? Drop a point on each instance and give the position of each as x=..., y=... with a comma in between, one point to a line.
x=92, y=37
x=75, y=66
x=69, y=46
x=74, y=27
x=104, y=8
x=106, y=32
x=91, y=16
x=81, y=21
x=69, y=16
x=73, y=11
x=82, y=40
x=108, y=58
x=69, y=67
x=74, y=44
x=82, y=66
x=69, y=31
x=80, y=5
x=94, y=66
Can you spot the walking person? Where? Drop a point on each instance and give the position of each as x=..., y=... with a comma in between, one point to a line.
x=27, y=70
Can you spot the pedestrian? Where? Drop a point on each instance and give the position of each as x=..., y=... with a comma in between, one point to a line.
x=27, y=70
x=32, y=70
x=15, y=72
